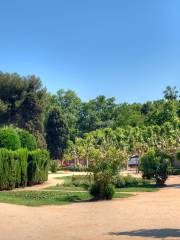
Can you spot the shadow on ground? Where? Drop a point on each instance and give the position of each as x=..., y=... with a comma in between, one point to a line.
x=153, y=233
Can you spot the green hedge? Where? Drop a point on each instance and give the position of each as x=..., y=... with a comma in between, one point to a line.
x=38, y=166
x=19, y=168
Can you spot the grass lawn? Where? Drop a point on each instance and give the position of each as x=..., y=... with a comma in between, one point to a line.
x=39, y=198
x=138, y=189
x=150, y=188
x=68, y=186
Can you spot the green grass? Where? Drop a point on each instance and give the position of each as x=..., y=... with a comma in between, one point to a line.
x=138, y=189
x=39, y=198
x=126, y=189
x=68, y=185
x=59, y=187
x=64, y=178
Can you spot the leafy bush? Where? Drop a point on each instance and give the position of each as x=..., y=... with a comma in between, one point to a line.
x=9, y=138
x=27, y=140
x=38, y=166
x=156, y=164
x=128, y=181
x=105, y=164
x=54, y=166
x=100, y=191
x=119, y=181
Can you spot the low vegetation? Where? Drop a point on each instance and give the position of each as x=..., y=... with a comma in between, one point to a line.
x=39, y=198
x=22, y=167
x=121, y=183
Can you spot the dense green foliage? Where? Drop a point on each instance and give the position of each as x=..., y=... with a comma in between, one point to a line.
x=22, y=100
x=9, y=138
x=27, y=140
x=126, y=128
x=102, y=112
x=13, y=168
x=57, y=133
x=156, y=164
x=127, y=141
x=38, y=166
x=19, y=168
x=105, y=163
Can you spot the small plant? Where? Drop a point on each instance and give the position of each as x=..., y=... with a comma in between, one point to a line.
x=54, y=166
x=100, y=191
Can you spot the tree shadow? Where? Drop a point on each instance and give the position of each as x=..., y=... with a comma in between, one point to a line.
x=154, y=233
x=173, y=186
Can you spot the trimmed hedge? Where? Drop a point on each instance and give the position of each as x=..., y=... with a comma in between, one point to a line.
x=38, y=166
x=19, y=168
x=9, y=138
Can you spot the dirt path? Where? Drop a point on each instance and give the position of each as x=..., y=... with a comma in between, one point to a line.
x=153, y=215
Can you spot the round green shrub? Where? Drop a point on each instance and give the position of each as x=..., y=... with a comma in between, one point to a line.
x=101, y=191
x=27, y=139
x=9, y=138
x=109, y=191
x=156, y=164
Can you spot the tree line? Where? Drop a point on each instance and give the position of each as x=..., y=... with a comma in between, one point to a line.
x=60, y=120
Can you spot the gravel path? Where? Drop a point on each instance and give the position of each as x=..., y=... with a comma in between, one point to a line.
x=153, y=215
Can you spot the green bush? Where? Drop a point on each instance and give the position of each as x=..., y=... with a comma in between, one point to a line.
x=38, y=166
x=27, y=140
x=156, y=164
x=128, y=181
x=54, y=166
x=9, y=138
x=100, y=191
x=17, y=168
x=13, y=168
x=119, y=181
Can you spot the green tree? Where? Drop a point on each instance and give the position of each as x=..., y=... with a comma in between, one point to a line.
x=70, y=103
x=156, y=164
x=23, y=101
x=57, y=133
x=171, y=93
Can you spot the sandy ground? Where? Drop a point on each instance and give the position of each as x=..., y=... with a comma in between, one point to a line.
x=145, y=216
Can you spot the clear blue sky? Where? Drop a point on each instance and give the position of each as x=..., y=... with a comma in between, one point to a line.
x=129, y=49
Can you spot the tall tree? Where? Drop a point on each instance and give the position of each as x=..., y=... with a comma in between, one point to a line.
x=23, y=103
x=71, y=104
x=57, y=133
x=171, y=93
